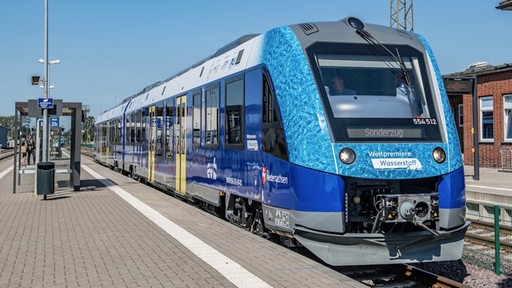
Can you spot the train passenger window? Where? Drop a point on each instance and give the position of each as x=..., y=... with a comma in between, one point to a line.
x=144, y=120
x=138, y=126
x=127, y=129
x=234, y=114
x=212, y=104
x=169, y=137
x=196, y=118
x=159, y=115
x=274, y=141
x=118, y=138
x=103, y=137
x=132, y=128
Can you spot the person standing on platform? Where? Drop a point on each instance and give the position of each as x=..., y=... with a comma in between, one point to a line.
x=31, y=150
x=23, y=152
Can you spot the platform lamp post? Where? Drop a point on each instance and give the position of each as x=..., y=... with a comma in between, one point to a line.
x=46, y=87
x=46, y=82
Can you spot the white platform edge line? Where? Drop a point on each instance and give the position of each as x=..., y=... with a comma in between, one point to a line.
x=226, y=266
x=5, y=172
x=488, y=187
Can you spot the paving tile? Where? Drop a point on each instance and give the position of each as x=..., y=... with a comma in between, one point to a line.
x=93, y=238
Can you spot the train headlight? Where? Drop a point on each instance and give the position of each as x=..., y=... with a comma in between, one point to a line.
x=439, y=155
x=347, y=156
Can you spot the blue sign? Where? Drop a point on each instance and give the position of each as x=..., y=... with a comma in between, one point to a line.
x=54, y=122
x=45, y=103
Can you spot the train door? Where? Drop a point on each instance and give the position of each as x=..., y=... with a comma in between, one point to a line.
x=152, y=141
x=181, y=151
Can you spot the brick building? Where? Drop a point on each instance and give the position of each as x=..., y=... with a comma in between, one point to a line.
x=494, y=93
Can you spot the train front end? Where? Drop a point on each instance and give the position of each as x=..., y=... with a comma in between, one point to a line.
x=375, y=168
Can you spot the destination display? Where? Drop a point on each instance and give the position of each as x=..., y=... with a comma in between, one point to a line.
x=384, y=132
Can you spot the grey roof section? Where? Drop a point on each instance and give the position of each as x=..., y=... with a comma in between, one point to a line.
x=222, y=50
x=505, y=5
x=482, y=70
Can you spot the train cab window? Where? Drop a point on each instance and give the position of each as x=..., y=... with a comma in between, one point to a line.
x=196, y=118
x=212, y=104
x=234, y=113
x=370, y=96
x=169, y=130
x=274, y=141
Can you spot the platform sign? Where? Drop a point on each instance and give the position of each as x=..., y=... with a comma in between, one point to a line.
x=45, y=103
x=458, y=86
x=54, y=122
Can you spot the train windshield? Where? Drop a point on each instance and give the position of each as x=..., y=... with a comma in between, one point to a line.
x=377, y=97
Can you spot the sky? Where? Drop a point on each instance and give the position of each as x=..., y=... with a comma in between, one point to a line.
x=112, y=49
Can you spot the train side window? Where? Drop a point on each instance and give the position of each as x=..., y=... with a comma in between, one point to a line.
x=159, y=115
x=103, y=133
x=196, y=118
x=111, y=138
x=143, y=135
x=169, y=143
x=138, y=126
x=132, y=128
x=118, y=138
x=212, y=100
x=234, y=113
x=274, y=141
x=127, y=129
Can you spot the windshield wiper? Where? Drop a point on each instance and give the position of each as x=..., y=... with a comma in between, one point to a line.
x=381, y=50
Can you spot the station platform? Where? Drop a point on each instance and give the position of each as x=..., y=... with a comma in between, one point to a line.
x=494, y=187
x=492, y=182
x=116, y=232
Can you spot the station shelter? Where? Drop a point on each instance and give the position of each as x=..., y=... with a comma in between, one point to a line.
x=31, y=112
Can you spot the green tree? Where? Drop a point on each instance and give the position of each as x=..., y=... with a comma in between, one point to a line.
x=88, y=127
x=8, y=121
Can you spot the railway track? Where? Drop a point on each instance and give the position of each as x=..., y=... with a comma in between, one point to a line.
x=399, y=275
x=482, y=233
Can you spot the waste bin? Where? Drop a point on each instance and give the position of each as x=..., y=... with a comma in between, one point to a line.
x=45, y=178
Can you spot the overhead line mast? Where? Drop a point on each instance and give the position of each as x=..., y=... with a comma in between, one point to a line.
x=402, y=16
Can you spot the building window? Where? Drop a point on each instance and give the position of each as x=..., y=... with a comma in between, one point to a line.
x=212, y=116
x=461, y=115
x=486, y=119
x=507, y=113
x=234, y=114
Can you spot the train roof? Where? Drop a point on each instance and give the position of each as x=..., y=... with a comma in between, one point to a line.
x=213, y=67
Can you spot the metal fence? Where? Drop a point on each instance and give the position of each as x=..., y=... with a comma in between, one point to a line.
x=499, y=221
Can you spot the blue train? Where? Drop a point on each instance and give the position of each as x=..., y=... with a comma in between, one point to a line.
x=337, y=136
